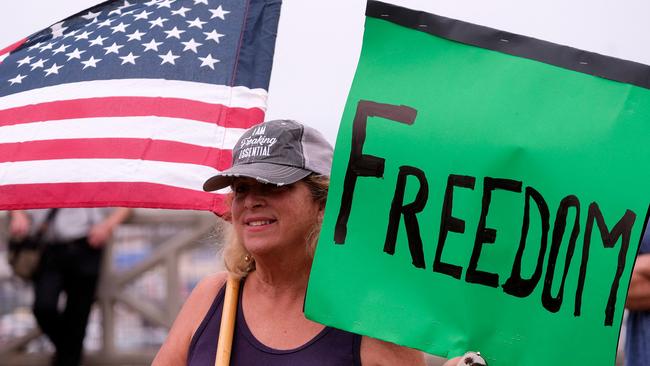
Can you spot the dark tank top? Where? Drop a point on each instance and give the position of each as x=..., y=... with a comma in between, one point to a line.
x=330, y=347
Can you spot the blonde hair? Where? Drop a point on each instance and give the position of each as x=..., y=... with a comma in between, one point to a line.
x=239, y=262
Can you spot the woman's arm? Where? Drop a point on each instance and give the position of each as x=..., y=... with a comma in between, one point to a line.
x=380, y=353
x=638, y=296
x=102, y=231
x=174, y=351
x=19, y=224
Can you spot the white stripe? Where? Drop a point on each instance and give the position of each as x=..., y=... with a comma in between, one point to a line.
x=238, y=96
x=3, y=57
x=156, y=128
x=188, y=176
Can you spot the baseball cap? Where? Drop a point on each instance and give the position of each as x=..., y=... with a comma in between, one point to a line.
x=278, y=152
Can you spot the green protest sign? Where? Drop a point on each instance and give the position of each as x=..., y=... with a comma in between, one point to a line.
x=487, y=194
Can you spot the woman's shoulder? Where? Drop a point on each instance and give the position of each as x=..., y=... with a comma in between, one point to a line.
x=174, y=350
x=210, y=284
x=202, y=297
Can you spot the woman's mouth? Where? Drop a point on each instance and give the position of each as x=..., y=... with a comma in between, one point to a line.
x=260, y=222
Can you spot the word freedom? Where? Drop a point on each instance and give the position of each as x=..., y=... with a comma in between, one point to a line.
x=362, y=165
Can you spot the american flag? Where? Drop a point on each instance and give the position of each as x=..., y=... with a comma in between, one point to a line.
x=133, y=103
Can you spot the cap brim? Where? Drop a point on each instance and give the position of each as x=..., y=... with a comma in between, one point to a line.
x=263, y=172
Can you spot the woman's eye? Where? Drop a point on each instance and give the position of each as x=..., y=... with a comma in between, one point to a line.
x=240, y=188
x=273, y=189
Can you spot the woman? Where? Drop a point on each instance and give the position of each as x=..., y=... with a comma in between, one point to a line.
x=279, y=180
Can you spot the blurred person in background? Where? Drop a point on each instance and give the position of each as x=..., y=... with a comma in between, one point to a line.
x=74, y=241
x=637, y=340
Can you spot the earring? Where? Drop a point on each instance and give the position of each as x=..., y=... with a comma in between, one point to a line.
x=247, y=258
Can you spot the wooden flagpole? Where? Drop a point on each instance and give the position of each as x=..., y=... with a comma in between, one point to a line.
x=228, y=316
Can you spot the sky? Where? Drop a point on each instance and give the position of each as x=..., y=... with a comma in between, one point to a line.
x=319, y=42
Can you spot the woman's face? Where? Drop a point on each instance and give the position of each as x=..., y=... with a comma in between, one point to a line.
x=269, y=218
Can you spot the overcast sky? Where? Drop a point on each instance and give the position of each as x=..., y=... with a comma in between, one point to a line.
x=319, y=41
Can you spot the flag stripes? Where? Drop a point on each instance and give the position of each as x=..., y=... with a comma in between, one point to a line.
x=236, y=96
x=89, y=193
x=132, y=106
x=112, y=170
x=147, y=127
x=148, y=134
x=107, y=148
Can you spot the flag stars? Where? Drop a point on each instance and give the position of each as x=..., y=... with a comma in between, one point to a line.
x=25, y=61
x=195, y=23
x=144, y=15
x=176, y=33
x=191, y=45
x=53, y=70
x=75, y=54
x=152, y=2
x=135, y=35
x=129, y=59
x=40, y=63
x=120, y=28
x=99, y=41
x=208, y=61
x=91, y=62
x=218, y=13
x=117, y=11
x=105, y=23
x=83, y=35
x=58, y=29
x=34, y=46
x=47, y=47
x=181, y=11
x=213, y=36
x=165, y=4
x=169, y=58
x=197, y=2
x=62, y=48
x=157, y=23
x=114, y=48
x=152, y=45
x=17, y=80
x=70, y=34
x=91, y=15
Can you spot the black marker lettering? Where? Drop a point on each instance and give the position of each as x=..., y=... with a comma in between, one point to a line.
x=623, y=228
x=485, y=235
x=551, y=303
x=449, y=223
x=360, y=164
x=398, y=209
x=515, y=285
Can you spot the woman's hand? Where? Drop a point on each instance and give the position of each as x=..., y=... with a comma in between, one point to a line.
x=468, y=359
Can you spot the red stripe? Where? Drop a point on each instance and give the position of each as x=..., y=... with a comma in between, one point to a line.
x=12, y=46
x=148, y=195
x=133, y=106
x=116, y=148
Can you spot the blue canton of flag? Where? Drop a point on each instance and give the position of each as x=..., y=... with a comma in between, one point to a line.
x=133, y=103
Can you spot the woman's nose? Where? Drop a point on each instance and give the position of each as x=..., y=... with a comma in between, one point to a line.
x=254, y=198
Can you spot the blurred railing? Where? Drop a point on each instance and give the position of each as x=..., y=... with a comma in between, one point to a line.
x=169, y=239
